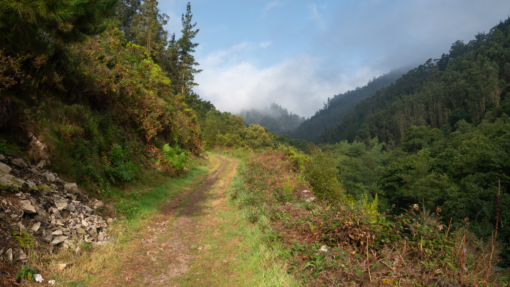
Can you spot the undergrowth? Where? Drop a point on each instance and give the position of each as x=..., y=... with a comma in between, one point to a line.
x=347, y=242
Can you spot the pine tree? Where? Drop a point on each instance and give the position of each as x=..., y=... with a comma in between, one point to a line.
x=185, y=48
x=147, y=29
x=126, y=10
x=41, y=25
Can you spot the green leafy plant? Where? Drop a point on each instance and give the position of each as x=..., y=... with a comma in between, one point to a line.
x=289, y=186
x=26, y=272
x=176, y=157
x=119, y=167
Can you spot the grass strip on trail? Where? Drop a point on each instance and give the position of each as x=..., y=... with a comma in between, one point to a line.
x=232, y=251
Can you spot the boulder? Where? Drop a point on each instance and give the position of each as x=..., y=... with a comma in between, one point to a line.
x=2, y=157
x=27, y=206
x=4, y=169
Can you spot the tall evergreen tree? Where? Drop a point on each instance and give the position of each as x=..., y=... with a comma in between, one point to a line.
x=126, y=10
x=41, y=25
x=185, y=49
x=147, y=29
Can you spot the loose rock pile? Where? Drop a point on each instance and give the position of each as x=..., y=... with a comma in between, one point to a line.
x=35, y=202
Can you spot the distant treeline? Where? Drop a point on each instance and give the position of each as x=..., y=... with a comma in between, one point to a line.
x=275, y=118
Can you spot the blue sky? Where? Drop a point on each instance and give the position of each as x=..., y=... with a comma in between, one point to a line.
x=298, y=53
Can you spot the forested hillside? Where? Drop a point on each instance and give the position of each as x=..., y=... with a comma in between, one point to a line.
x=470, y=83
x=87, y=78
x=275, y=118
x=438, y=136
x=339, y=106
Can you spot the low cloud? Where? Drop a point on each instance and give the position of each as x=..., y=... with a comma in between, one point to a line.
x=296, y=84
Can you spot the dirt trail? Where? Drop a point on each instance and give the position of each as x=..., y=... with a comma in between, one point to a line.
x=161, y=254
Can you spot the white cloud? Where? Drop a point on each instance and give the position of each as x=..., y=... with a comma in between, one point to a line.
x=295, y=84
x=265, y=44
x=317, y=17
x=270, y=6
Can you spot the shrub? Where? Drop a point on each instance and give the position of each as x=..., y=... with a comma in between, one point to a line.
x=321, y=173
x=176, y=157
x=116, y=165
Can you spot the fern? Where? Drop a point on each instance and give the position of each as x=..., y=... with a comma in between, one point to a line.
x=176, y=157
x=116, y=165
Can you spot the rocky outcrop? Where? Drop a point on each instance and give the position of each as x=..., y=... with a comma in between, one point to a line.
x=38, y=202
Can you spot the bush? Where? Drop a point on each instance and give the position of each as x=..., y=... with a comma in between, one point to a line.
x=116, y=166
x=176, y=157
x=321, y=173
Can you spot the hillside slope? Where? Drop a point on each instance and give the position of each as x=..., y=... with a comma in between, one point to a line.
x=470, y=83
x=336, y=108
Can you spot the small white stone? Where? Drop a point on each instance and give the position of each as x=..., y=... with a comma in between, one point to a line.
x=36, y=226
x=38, y=278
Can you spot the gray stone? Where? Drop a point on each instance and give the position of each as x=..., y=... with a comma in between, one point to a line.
x=19, y=162
x=80, y=231
x=2, y=157
x=36, y=226
x=58, y=239
x=22, y=256
x=9, y=254
x=48, y=238
x=4, y=169
x=10, y=180
x=27, y=206
x=57, y=232
x=97, y=204
x=50, y=177
x=61, y=204
x=30, y=184
x=84, y=223
x=41, y=164
x=71, y=187
x=71, y=207
x=2, y=251
x=42, y=215
x=109, y=220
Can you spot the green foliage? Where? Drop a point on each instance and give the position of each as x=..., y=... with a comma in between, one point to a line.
x=3, y=147
x=256, y=137
x=298, y=160
x=176, y=157
x=119, y=167
x=321, y=173
x=24, y=238
x=223, y=129
x=38, y=25
x=26, y=272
